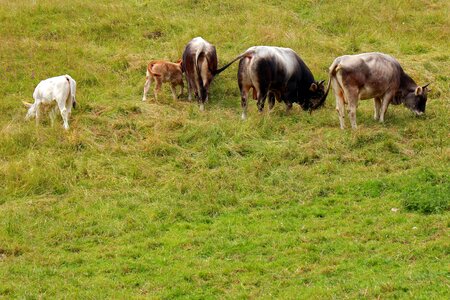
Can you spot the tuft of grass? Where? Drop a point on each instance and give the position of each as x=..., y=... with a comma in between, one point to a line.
x=427, y=193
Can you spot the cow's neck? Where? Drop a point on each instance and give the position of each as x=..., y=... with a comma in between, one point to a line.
x=407, y=84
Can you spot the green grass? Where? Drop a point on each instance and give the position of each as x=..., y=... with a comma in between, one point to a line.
x=159, y=200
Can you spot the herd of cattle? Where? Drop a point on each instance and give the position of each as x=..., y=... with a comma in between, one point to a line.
x=270, y=72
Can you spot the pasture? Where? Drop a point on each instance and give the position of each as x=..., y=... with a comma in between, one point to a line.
x=159, y=200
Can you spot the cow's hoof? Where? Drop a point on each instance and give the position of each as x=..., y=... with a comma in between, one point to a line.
x=202, y=107
x=143, y=99
x=243, y=117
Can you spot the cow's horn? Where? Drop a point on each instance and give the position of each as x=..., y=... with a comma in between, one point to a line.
x=426, y=85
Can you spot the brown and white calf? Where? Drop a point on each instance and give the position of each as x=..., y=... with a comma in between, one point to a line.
x=162, y=71
x=200, y=66
x=51, y=95
x=373, y=75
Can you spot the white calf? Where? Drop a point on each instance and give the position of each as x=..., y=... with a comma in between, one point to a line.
x=52, y=94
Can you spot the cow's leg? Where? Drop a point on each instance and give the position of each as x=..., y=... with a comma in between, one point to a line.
x=384, y=105
x=148, y=83
x=340, y=102
x=351, y=94
x=52, y=114
x=174, y=91
x=352, y=104
x=203, y=102
x=38, y=113
x=377, y=106
x=262, y=95
x=157, y=88
x=189, y=88
x=271, y=101
x=182, y=89
x=244, y=96
x=64, y=113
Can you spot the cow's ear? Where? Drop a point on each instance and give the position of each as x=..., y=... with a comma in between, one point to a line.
x=313, y=87
x=419, y=91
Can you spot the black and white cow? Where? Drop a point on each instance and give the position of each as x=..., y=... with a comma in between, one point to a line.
x=277, y=73
x=373, y=75
x=199, y=64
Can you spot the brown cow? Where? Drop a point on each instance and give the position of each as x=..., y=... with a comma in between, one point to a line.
x=373, y=75
x=162, y=71
x=200, y=66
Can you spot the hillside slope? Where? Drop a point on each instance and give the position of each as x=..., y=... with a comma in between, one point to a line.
x=159, y=200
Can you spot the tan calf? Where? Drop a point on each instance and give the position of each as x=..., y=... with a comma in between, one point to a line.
x=162, y=71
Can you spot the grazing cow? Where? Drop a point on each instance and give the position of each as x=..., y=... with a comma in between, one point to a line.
x=277, y=73
x=373, y=75
x=199, y=65
x=162, y=71
x=52, y=94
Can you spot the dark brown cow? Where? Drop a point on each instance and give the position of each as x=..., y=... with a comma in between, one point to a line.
x=277, y=73
x=373, y=75
x=199, y=65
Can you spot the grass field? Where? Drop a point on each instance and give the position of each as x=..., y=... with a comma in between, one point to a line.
x=159, y=200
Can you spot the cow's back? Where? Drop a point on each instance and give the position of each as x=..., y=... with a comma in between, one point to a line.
x=168, y=71
x=277, y=68
x=52, y=89
x=371, y=73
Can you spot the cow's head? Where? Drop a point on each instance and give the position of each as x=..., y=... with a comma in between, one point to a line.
x=315, y=97
x=417, y=99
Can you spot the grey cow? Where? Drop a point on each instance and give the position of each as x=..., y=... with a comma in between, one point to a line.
x=373, y=75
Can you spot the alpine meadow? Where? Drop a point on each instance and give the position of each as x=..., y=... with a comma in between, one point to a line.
x=160, y=200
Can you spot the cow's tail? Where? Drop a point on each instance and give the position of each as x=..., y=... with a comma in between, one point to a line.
x=150, y=71
x=332, y=72
x=218, y=71
x=72, y=90
x=201, y=88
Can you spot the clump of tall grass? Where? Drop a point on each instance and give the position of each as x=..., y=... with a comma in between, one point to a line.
x=428, y=193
